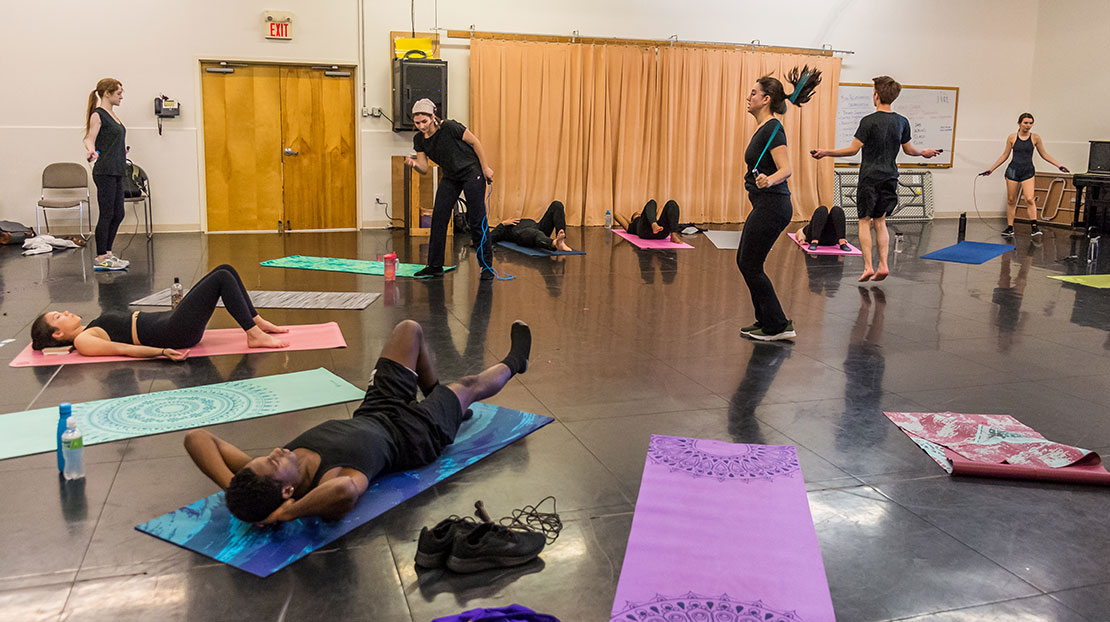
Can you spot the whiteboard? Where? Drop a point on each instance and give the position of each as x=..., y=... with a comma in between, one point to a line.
x=931, y=111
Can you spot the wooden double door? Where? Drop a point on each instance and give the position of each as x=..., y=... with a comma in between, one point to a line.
x=279, y=147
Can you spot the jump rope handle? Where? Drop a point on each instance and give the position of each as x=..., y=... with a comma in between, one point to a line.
x=480, y=511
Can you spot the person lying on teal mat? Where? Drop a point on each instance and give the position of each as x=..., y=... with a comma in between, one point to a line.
x=326, y=469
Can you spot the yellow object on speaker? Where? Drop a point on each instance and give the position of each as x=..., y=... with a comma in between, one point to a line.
x=402, y=47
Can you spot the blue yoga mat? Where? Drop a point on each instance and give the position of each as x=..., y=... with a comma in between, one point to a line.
x=118, y=418
x=206, y=527
x=537, y=252
x=970, y=252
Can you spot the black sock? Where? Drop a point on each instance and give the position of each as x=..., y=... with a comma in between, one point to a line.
x=521, y=348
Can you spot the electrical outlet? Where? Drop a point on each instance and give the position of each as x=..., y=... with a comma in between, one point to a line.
x=375, y=112
x=378, y=199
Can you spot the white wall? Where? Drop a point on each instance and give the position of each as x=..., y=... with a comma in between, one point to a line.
x=154, y=48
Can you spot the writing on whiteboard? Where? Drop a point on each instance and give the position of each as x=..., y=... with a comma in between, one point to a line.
x=930, y=110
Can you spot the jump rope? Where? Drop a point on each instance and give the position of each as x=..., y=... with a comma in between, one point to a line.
x=485, y=230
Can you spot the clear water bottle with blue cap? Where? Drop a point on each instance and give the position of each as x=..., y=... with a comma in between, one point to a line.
x=608, y=219
x=73, y=449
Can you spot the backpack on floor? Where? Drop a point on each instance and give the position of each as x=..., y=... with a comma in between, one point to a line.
x=14, y=232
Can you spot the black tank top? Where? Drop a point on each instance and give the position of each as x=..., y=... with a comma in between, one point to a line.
x=111, y=142
x=1023, y=152
x=117, y=326
x=360, y=443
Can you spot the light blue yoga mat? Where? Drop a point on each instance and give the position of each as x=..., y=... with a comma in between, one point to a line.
x=970, y=252
x=537, y=252
x=354, y=266
x=206, y=527
x=103, y=421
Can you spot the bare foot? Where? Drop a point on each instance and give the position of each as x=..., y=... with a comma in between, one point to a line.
x=881, y=274
x=268, y=327
x=675, y=239
x=867, y=274
x=259, y=339
x=561, y=242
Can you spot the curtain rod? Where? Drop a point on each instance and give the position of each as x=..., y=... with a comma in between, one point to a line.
x=673, y=41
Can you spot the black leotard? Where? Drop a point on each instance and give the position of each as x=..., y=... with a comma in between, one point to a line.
x=1021, y=164
x=117, y=325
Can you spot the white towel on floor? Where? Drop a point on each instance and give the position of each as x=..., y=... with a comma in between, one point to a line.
x=45, y=244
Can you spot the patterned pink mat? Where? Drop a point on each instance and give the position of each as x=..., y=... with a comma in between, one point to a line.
x=665, y=243
x=215, y=342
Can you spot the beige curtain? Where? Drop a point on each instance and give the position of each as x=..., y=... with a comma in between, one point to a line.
x=607, y=127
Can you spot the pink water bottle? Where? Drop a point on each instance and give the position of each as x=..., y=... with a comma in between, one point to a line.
x=391, y=266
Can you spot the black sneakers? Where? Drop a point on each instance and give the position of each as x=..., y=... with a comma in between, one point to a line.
x=427, y=271
x=434, y=546
x=493, y=546
x=1008, y=231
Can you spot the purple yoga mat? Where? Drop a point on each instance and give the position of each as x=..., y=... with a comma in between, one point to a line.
x=722, y=531
x=652, y=244
x=825, y=250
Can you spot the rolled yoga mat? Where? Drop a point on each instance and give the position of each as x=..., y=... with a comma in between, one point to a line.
x=639, y=242
x=354, y=266
x=998, y=446
x=724, y=240
x=537, y=252
x=824, y=250
x=970, y=252
x=1100, y=281
x=115, y=419
x=206, y=527
x=215, y=342
x=281, y=300
x=722, y=531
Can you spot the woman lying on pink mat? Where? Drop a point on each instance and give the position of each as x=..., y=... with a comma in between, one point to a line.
x=144, y=334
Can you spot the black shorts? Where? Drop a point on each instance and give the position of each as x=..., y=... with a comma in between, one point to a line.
x=876, y=199
x=422, y=428
x=1020, y=173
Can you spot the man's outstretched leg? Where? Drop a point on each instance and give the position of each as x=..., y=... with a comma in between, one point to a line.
x=470, y=389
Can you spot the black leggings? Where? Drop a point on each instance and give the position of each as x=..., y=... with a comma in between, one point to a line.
x=446, y=197
x=109, y=196
x=771, y=214
x=829, y=225
x=538, y=234
x=668, y=219
x=184, y=326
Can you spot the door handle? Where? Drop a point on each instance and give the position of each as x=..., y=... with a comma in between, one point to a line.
x=290, y=152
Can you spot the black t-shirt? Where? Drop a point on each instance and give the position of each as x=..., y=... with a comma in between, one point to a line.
x=777, y=138
x=111, y=142
x=882, y=135
x=448, y=149
x=364, y=444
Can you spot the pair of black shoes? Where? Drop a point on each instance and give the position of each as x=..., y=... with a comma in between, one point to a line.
x=465, y=545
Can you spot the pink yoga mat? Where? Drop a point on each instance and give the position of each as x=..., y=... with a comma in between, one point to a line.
x=998, y=446
x=722, y=531
x=652, y=244
x=216, y=341
x=825, y=250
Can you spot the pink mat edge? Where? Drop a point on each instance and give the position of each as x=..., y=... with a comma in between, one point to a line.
x=639, y=242
x=29, y=358
x=826, y=250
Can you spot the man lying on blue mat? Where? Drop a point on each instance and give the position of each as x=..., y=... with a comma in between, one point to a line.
x=531, y=234
x=326, y=469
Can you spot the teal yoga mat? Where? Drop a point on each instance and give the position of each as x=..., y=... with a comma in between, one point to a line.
x=103, y=421
x=354, y=266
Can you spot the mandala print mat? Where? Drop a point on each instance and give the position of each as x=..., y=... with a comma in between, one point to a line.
x=207, y=528
x=103, y=421
x=684, y=562
x=354, y=266
x=281, y=300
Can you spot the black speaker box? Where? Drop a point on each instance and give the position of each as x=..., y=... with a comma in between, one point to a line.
x=415, y=79
x=1099, y=159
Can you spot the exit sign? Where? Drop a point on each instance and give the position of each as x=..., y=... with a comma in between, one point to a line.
x=277, y=25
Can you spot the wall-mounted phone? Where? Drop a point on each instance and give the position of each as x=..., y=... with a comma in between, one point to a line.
x=165, y=108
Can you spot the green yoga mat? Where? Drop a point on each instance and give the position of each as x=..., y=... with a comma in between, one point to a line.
x=103, y=421
x=1101, y=281
x=335, y=264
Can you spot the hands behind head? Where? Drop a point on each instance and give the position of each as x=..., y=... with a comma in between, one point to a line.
x=277, y=516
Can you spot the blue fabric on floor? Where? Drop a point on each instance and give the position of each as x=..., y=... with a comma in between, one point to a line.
x=970, y=252
x=537, y=252
x=512, y=613
x=206, y=527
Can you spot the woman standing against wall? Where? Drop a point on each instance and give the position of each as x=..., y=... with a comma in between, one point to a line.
x=106, y=148
x=465, y=170
x=1020, y=172
x=770, y=197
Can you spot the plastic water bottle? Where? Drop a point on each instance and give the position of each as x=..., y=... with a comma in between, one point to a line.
x=899, y=242
x=390, y=266
x=177, y=292
x=608, y=219
x=73, y=448
x=65, y=409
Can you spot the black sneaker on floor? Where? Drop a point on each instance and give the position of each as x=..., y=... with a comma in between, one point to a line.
x=1008, y=231
x=493, y=546
x=435, y=544
x=845, y=248
x=1037, y=231
x=812, y=246
x=427, y=271
x=747, y=329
